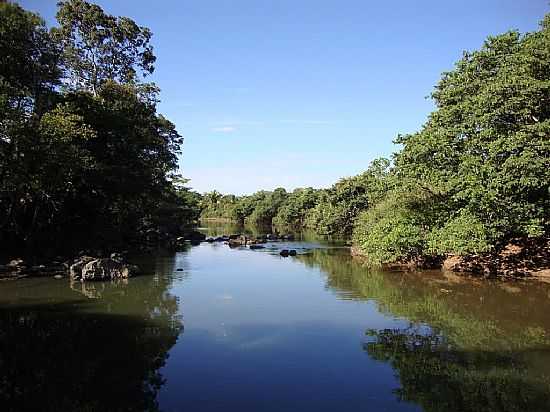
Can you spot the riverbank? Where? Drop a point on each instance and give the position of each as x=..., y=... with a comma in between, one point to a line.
x=520, y=258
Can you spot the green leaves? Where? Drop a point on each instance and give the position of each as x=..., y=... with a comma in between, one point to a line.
x=91, y=165
x=461, y=235
x=485, y=152
x=98, y=47
x=60, y=124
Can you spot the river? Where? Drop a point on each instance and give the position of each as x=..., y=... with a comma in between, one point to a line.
x=213, y=328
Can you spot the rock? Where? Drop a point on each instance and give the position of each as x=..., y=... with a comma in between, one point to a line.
x=117, y=257
x=58, y=277
x=16, y=263
x=233, y=237
x=75, y=270
x=210, y=239
x=256, y=247
x=179, y=270
x=292, y=252
x=195, y=236
x=14, y=268
x=284, y=253
x=89, y=268
x=240, y=241
x=288, y=237
x=256, y=241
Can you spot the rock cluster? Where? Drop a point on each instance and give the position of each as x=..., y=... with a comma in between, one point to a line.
x=92, y=268
x=17, y=268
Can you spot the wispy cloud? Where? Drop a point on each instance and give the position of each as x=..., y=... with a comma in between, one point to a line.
x=232, y=122
x=224, y=129
x=307, y=122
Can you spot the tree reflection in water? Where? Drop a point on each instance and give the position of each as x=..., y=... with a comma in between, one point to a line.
x=100, y=354
x=439, y=377
x=470, y=345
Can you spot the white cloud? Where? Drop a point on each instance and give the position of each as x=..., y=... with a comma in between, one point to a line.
x=224, y=129
x=232, y=122
x=307, y=122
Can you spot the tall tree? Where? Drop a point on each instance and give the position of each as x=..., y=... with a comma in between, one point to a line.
x=98, y=47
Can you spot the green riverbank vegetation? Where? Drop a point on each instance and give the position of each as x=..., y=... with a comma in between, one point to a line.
x=473, y=178
x=85, y=158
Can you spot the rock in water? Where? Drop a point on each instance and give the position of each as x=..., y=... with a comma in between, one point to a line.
x=75, y=270
x=87, y=268
x=284, y=253
x=195, y=236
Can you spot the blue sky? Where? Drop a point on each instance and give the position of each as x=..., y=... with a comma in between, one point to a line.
x=293, y=93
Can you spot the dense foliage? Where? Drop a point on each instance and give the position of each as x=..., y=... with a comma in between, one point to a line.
x=475, y=176
x=480, y=166
x=327, y=211
x=85, y=159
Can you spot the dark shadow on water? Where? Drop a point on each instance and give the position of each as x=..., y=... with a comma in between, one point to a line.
x=61, y=357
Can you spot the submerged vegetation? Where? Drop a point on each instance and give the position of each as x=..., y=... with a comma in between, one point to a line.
x=85, y=159
x=475, y=176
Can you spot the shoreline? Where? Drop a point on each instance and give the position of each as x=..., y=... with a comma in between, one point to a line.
x=518, y=259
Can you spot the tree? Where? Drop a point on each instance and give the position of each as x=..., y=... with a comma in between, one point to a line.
x=93, y=165
x=339, y=206
x=98, y=47
x=485, y=150
x=479, y=169
x=28, y=76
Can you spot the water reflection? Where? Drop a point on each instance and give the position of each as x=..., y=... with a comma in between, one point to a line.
x=467, y=346
x=90, y=347
x=442, y=377
x=218, y=228
x=316, y=332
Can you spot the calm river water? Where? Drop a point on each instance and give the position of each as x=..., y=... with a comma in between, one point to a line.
x=219, y=329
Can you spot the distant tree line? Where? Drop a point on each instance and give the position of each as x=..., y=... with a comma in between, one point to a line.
x=331, y=211
x=85, y=159
x=475, y=176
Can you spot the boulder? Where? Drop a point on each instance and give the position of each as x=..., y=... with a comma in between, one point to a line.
x=284, y=253
x=88, y=268
x=75, y=270
x=256, y=247
x=292, y=252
